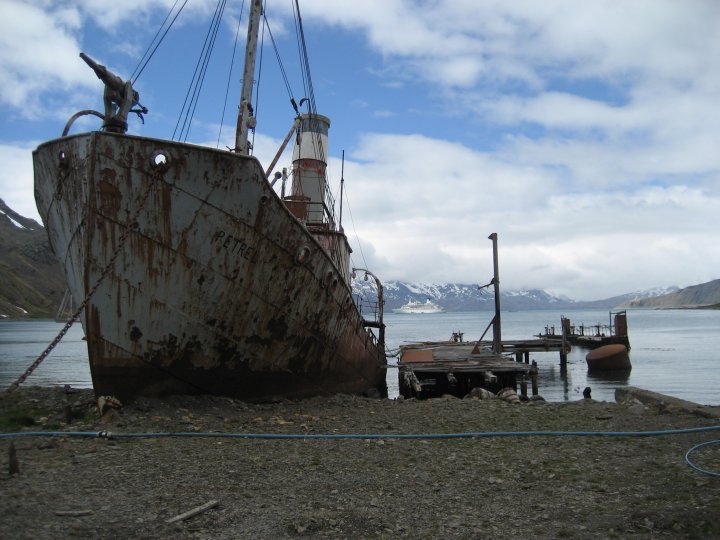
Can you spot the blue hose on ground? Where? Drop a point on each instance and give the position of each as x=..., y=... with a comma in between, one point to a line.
x=697, y=447
x=361, y=436
x=387, y=436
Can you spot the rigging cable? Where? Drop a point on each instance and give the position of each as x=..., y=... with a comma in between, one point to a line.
x=205, y=66
x=148, y=53
x=198, y=78
x=232, y=65
x=280, y=63
x=352, y=222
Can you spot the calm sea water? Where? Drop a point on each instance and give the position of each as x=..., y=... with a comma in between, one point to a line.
x=675, y=352
x=21, y=342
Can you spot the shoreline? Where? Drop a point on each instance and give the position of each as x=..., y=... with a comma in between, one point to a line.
x=541, y=486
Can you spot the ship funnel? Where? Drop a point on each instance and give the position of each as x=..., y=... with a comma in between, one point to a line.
x=309, y=165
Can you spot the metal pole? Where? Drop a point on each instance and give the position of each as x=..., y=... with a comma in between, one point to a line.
x=246, y=120
x=380, y=325
x=295, y=126
x=497, y=337
x=342, y=186
x=565, y=324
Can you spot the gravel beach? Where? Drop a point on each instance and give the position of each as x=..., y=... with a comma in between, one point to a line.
x=547, y=486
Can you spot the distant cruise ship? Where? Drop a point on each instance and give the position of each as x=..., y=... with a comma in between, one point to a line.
x=418, y=307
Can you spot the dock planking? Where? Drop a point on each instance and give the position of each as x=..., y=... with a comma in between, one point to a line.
x=431, y=369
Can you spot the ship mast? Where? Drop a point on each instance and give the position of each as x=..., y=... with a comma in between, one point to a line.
x=246, y=120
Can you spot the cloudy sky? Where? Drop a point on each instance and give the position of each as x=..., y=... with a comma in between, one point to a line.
x=586, y=134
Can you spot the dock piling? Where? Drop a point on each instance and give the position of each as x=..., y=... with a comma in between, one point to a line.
x=497, y=337
x=565, y=325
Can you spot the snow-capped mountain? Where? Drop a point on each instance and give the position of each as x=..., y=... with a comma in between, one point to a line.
x=469, y=297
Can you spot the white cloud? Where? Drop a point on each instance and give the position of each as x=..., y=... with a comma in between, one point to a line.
x=597, y=164
x=38, y=54
x=16, y=179
x=114, y=16
x=658, y=38
x=427, y=206
x=40, y=42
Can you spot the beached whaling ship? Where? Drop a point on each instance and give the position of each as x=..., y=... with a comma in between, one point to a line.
x=197, y=275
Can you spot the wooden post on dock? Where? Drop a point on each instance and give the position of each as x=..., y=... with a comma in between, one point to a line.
x=565, y=324
x=620, y=324
x=534, y=378
x=497, y=338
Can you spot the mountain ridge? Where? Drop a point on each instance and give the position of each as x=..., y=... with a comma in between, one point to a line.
x=705, y=295
x=470, y=297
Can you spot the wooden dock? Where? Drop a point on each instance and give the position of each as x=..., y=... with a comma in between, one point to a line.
x=592, y=336
x=432, y=369
x=457, y=367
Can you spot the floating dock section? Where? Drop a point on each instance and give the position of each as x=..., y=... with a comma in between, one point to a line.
x=433, y=369
x=592, y=336
x=437, y=368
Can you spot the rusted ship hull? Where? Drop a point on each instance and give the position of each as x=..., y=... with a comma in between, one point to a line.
x=207, y=283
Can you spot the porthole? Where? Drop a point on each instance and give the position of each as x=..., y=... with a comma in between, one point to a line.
x=302, y=255
x=330, y=280
x=160, y=160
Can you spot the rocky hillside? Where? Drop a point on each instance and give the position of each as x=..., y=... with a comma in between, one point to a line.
x=703, y=295
x=31, y=280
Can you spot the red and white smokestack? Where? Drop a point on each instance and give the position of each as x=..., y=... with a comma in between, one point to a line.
x=310, y=163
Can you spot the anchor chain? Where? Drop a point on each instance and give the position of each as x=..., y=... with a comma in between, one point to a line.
x=129, y=225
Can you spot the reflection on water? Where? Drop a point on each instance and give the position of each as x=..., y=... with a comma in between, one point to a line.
x=616, y=378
